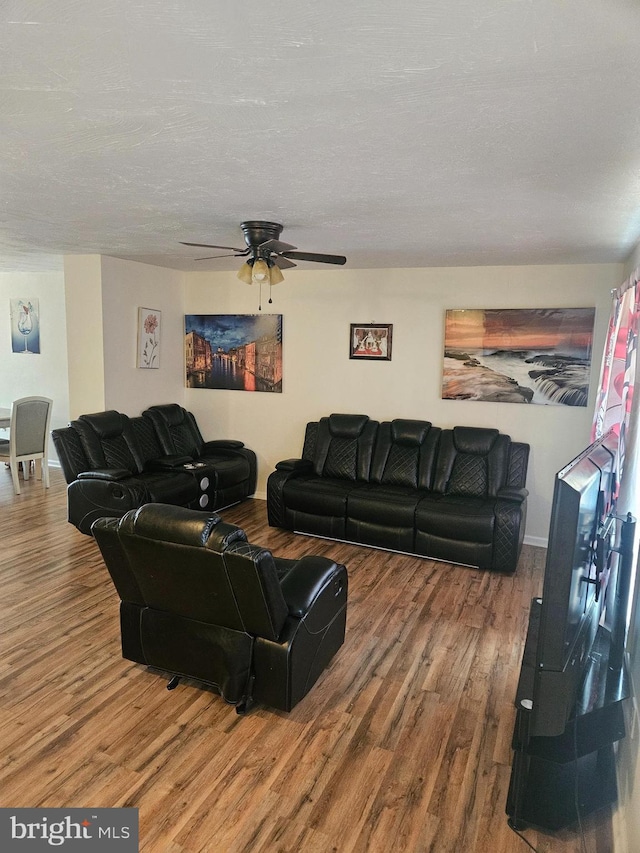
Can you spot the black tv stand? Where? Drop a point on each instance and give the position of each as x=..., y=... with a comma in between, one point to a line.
x=556, y=780
x=550, y=775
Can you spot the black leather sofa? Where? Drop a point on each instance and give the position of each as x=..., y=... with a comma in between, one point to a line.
x=197, y=600
x=114, y=463
x=452, y=494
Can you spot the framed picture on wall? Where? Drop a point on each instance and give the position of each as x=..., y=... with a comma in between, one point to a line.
x=370, y=341
x=149, y=333
x=235, y=352
x=25, y=325
x=518, y=355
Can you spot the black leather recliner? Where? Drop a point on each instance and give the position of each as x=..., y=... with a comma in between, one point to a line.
x=198, y=600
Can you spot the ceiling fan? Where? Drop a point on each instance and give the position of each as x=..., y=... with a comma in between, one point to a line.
x=266, y=255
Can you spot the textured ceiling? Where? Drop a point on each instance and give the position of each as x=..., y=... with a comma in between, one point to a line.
x=405, y=133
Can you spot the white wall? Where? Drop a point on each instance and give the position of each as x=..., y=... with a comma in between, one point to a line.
x=127, y=286
x=319, y=378
x=44, y=374
x=85, y=339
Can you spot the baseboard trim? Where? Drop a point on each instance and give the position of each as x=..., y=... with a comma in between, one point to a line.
x=536, y=541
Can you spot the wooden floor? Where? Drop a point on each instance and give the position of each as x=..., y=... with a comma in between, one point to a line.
x=403, y=744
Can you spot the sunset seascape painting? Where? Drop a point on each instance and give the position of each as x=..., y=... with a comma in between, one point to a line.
x=518, y=355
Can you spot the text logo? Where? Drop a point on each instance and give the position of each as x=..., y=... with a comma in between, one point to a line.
x=87, y=830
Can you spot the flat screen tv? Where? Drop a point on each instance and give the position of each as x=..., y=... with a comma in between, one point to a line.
x=575, y=579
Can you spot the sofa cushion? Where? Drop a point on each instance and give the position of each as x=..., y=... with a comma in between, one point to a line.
x=178, y=488
x=176, y=429
x=472, y=462
x=344, y=447
x=391, y=506
x=347, y=426
x=318, y=495
x=409, y=433
x=478, y=440
x=405, y=453
x=469, y=476
x=108, y=441
x=223, y=470
x=457, y=517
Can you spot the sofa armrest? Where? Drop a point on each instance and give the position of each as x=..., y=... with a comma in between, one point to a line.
x=512, y=494
x=167, y=463
x=221, y=444
x=286, y=470
x=106, y=474
x=297, y=465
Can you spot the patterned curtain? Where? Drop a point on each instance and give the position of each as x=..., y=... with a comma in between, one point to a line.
x=617, y=408
x=615, y=402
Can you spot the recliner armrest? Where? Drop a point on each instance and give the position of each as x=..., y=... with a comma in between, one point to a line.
x=309, y=579
x=299, y=465
x=512, y=494
x=106, y=474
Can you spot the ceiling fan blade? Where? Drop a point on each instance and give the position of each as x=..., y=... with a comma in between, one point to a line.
x=282, y=263
x=213, y=257
x=276, y=246
x=211, y=246
x=311, y=256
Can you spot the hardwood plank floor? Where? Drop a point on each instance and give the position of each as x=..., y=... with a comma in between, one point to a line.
x=403, y=745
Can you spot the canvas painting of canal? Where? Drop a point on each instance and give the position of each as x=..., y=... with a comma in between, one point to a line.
x=513, y=355
x=237, y=352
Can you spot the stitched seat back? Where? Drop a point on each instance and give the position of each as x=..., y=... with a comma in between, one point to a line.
x=146, y=439
x=108, y=441
x=178, y=612
x=472, y=462
x=176, y=558
x=405, y=453
x=176, y=429
x=344, y=447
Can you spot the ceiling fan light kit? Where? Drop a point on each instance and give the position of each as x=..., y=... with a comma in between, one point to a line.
x=245, y=273
x=260, y=271
x=266, y=255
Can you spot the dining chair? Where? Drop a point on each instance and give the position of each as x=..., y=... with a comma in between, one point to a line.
x=28, y=438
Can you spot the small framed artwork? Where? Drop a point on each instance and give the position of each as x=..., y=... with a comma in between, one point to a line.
x=370, y=341
x=149, y=333
x=25, y=325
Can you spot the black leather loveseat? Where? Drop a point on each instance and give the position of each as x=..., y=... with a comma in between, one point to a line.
x=114, y=463
x=452, y=494
x=197, y=600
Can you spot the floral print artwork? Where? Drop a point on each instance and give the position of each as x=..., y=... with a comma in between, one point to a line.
x=149, y=337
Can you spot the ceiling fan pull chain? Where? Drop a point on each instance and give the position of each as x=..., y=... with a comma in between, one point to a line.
x=270, y=299
x=260, y=298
